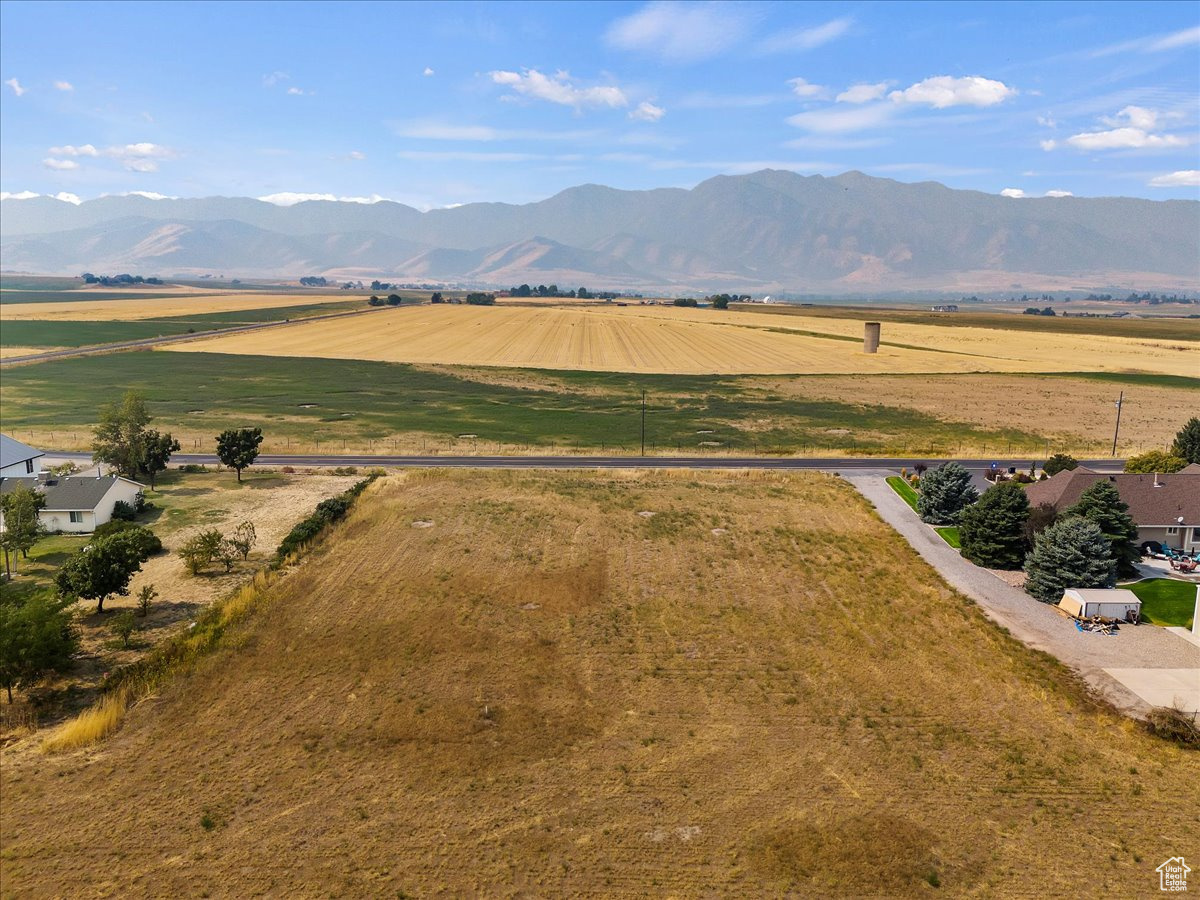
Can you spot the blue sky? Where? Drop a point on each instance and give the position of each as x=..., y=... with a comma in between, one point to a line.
x=435, y=104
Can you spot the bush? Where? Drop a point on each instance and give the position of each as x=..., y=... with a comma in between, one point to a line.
x=199, y=552
x=992, y=531
x=145, y=596
x=146, y=541
x=193, y=468
x=1060, y=462
x=1071, y=553
x=123, y=626
x=1155, y=461
x=945, y=492
x=124, y=511
x=1173, y=724
x=326, y=513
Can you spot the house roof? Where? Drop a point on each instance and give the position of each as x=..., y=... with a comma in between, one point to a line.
x=72, y=494
x=1175, y=496
x=13, y=452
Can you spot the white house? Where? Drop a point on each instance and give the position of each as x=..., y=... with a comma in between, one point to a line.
x=17, y=458
x=76, y=503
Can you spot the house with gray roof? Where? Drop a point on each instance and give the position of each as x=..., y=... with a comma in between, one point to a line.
x=17, y=458
x=1165, y=508
x=76, y=503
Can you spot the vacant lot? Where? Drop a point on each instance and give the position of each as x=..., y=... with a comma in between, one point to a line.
x=691, y=341
x=183, y=302
x=518, y=683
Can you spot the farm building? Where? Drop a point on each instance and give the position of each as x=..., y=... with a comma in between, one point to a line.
x=76, y=504
x=1118, y=604
x=1165, y=508
x=17, y=458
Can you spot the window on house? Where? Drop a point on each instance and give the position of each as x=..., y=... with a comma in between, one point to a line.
x=77, y=518
x=1172, y=531
x=29, y=466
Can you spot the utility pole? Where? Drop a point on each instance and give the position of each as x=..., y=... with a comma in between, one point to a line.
x=1117, y=430
x=643, y=423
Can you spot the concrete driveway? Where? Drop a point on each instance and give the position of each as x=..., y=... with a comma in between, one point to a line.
x=1136, y=669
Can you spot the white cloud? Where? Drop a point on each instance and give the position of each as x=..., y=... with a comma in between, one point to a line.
x=1015, y=193
x=20, y=195
x=1135, y=116
x=1183, y=178
x=1048, y=145
x=290, y=198
x=803, y=88
x=149, y=195
x=943, y=91
x=863, y=93
x=1059, y=194
x=427, y=72
x=297, y=92
x=64, y=86
x=274, y=78
x=66, y=197
x=647, y=112
x=69, y=150
x=142, y=157
x=1172, y=41
x=61, y=165
x=836, y=120
x=807, y=38
x=356, y=154
x=558, y=89
x=1047, y=121
x=680, y=32
x=16, y=86
x=444, y=131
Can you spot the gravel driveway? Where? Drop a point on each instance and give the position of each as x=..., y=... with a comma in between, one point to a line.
x=1037, y=624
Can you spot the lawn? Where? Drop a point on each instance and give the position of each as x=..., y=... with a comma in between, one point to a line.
x=949, y=534
x=906, y=491
x=301, y=401
x=1166, y=601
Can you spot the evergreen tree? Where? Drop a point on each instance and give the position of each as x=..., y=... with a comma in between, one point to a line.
x=1071, y=553
x=945, y=492
x=1187, y=442
x=1102, y=505
x=992, y=531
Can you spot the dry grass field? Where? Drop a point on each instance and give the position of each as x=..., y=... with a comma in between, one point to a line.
x=608, y=684
x=688, y=341
x=180, y=303
x=7, y=352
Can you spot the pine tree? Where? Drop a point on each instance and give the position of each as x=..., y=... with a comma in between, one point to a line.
x=992, y=531
x=945, y=492
x=1071, y=553
x=1187, y=442
x=1102, y=505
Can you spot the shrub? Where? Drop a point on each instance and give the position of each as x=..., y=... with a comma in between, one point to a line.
x=1040, y=518
x=1173, y=724
x=123, y=511
x=145, y=596
x=244, y=538
x=1060, y=462
x=992, y=531
x=1071, y=553
x=945, y=492
x=202, y=550
x=193, y=468
x=123, y=625
x=145, y=540
x=1155, y=461
x=327, y=512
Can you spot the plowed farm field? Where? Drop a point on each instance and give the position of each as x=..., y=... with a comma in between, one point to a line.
x=629, y=684
x=695, y=341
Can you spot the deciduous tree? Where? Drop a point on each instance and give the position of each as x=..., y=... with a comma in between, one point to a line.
x=238, y=448
x=1153, y=461
x=156, y=453
x=119, y=439
x=22, y=527
x=1059, y=462
x=36, y=637
x=103, y=568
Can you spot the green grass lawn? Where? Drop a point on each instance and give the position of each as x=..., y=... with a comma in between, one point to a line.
x=329, y=399
x=1166, y=601
x=949, y=534
x=904, y=489
x=36, y=574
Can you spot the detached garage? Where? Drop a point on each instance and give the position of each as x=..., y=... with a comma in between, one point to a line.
x=1118, y=604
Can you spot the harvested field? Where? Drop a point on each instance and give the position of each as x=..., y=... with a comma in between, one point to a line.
x=7, y=352
x=181, y=303
x=543, y=692
x=690, y=341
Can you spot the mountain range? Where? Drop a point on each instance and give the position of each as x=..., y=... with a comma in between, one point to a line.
x=764, y=231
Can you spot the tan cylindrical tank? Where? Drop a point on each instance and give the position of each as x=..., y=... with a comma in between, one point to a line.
x=870, y=337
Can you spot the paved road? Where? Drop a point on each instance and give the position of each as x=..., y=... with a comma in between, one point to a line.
x=1141, y=655
x=829, y=463
x=143, y=343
